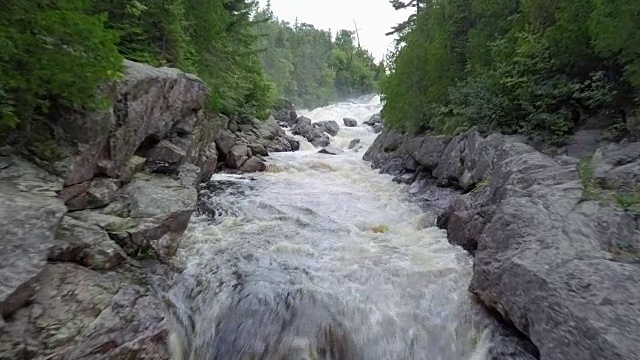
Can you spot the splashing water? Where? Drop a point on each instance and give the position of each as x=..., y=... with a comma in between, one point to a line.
x=322, y=258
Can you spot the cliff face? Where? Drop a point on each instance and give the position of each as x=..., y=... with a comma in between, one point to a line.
x=557, y=254
x=88, y=237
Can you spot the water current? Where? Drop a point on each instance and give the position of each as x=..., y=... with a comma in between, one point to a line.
x=322, y=258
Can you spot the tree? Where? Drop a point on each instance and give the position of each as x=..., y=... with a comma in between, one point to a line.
x=52, y=53
x=530, y=66
x=309, y=66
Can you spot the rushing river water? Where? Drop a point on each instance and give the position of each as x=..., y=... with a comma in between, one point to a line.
x=322, y=258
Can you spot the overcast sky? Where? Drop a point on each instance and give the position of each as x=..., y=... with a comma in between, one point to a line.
x=374, y=18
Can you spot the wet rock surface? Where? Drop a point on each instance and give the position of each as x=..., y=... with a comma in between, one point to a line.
x=315, y=135
x=349, y=122
x=330, y=127
x=560, y=267
x=330, y=150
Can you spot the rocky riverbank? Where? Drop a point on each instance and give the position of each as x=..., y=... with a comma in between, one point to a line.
x=92, y=217
x=555, y=239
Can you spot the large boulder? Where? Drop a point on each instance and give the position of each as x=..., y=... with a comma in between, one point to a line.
x=263, y=136
x=557, y=267
x=252, y=165
x=87, y=245
x=150, y=104
x=160, y=208
x=285, y=112
x=617, y=167
x=330, y=127
x=237, y=156
x=80, y=313
x=330, y=150
x=28, y=222
x=349, y=122
x=375, y=119
x=544, y=258
x=93, y=194
x=315, y=135
x=165, y=157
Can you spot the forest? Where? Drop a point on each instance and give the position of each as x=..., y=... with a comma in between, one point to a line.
x=57, y=53
x=537, y=67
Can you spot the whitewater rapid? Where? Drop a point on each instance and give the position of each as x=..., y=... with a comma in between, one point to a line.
x=322, y=258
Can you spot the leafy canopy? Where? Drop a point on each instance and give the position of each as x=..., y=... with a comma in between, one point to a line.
x=528, y=66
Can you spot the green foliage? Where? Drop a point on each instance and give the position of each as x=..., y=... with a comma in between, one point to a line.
x=57, y=52
x=52, y=53
x=227, y=48
x=592, y=190
x=151, y=31
x=309, y=66
x=529, y=66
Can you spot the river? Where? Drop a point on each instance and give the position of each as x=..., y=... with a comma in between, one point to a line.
x=322, y=258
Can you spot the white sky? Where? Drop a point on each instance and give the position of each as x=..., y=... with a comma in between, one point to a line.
x=374, y=18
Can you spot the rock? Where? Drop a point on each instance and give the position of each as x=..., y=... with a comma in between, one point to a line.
x=5, y=162
x=348, y=122
x=87, y=245
x=150, y=196
x=237, y=156
x=158, y=237
x=295, y=144
x=165, y=158
x=540, y=260
x=224, y=140
x=330, y=127
x=617, y=167
x=377, y=128
x=161, y=208
x=583, y=143
x=322, y=141
x=93, y=194
x=559, y=268
x=208, y=163
x=404, y=179
x=106, y=222
x=315, y=135
x=28, y=224
x=257, y=149
x=330, y=150
x=353, y=143
x=150, y=104
x=252, y=165
x=374, y=119
x=184, y=127
x=153, y=102
x=387, y=155
x=80, y=313
x=29, y=178
x=136, y=164
x=284, y=111
x=281, y=144
x=72, y=191
x=466, y=219
x=625, y=178
x=427, y=150
x=189, y=176
x=6, y=150
x=302, y=127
